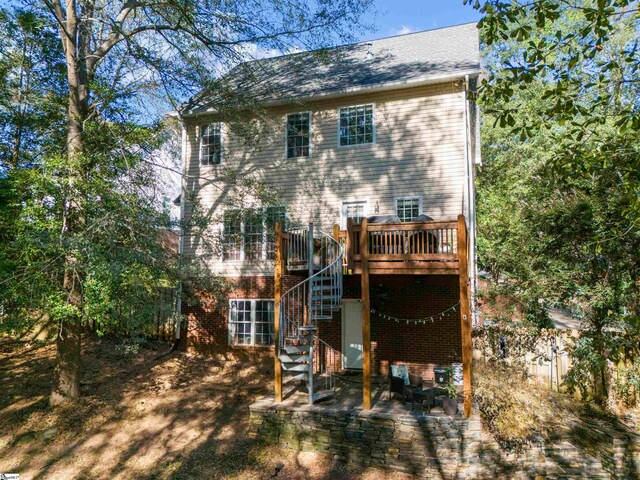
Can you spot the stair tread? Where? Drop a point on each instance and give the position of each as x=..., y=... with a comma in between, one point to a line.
x=293, y=349
x=295, y=367
x=296, y=358
x=322, y=394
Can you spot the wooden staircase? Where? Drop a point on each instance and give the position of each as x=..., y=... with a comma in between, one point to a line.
x=303, y=355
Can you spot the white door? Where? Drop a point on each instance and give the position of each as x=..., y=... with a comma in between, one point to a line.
x=352, y=334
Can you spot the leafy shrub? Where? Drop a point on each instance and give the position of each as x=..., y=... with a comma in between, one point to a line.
x=514, y=409
x=627, y=385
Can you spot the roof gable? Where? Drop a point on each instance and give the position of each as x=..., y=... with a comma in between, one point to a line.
x=399, y=60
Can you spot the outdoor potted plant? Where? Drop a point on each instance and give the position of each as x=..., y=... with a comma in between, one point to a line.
x=450, y=402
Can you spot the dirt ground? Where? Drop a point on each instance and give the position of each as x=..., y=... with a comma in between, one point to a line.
x=145, y=414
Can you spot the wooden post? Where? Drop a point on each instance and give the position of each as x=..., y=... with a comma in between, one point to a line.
x=349, y=245
x=465, y=313
x=336, y=237
x=277, y=278
x=366, y=318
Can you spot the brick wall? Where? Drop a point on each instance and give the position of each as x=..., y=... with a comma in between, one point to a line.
x=206, y=329
x=421, y=347
x=410, y=296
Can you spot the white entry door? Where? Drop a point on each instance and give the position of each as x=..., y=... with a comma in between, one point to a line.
x=352, y=334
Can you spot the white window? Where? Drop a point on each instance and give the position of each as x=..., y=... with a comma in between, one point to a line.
x=408, y=208
x=211, y=144
x=299, y=135
x=356, y=210
x=357, y=125
x=251, y=322
x=249, y=234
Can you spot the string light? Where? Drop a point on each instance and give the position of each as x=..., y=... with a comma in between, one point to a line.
x=416, y=321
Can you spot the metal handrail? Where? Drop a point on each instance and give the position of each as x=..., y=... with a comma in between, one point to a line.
x=296, y=307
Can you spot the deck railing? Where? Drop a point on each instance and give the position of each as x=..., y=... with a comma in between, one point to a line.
x=418, y=246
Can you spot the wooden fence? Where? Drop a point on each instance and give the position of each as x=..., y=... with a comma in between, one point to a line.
x=164, y=315
x=545, y=357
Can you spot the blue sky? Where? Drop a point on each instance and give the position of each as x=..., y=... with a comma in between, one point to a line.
x=404, y=16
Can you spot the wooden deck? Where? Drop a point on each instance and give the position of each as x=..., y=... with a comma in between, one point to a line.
x=414, y=248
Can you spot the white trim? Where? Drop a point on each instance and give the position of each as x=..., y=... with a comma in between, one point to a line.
x=373, y=113
x=253, y=322
x=242, y=259
x=199, y=136
x=183, y=196
x=286, y=135
x=397, y=85
x=343, y=203
x=342, y=333
x=471, y=204
x=408, y=197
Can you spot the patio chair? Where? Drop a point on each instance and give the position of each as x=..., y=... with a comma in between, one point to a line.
x=404, y=383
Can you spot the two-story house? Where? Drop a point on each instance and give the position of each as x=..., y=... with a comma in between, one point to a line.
x=362, y=158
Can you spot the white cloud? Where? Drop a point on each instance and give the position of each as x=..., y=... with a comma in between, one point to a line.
x=404, y=29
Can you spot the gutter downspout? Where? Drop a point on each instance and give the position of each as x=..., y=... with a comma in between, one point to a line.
x=183, y=158
x=471, y=204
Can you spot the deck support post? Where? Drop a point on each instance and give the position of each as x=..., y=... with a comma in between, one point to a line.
x=277, y=277
x=465, y=313
x=366, y=318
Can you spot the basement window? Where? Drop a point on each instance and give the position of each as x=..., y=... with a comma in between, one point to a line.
x=251, y=322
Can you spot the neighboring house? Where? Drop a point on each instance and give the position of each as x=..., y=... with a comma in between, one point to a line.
x=385, y=130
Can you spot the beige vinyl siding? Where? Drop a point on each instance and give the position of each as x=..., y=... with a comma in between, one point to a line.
x=418, y=150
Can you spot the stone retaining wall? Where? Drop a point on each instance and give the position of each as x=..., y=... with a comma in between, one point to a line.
x=433, y=446
x=412, y=443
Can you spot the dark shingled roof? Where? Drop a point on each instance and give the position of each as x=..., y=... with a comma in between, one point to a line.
x=404, y=59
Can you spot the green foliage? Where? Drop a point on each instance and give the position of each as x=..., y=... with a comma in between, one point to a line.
x=32, y=96
x=118, y=251
x=558, y=202
x=587, y=362
x=627, y=384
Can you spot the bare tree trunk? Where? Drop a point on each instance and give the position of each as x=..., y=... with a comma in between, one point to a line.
x=66, y=386
x=66, y=381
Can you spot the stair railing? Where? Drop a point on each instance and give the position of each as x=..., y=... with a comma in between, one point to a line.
x=324, y=254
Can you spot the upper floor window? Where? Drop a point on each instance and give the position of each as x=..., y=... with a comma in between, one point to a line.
x=251, y=322
x=356, y=210
x=298, y=135
x=408, y=208
x=248, y=234
x=356, y=125
x=211, y=144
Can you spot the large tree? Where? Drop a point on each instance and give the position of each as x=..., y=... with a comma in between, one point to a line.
x=120, y=58
x=559, y=203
